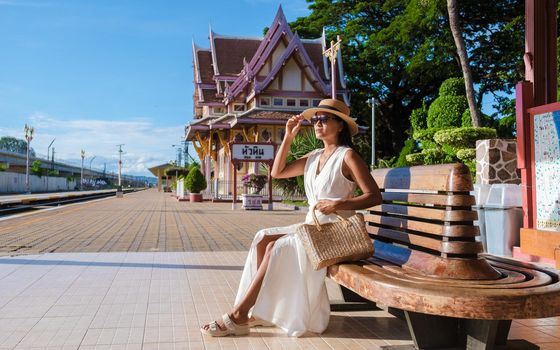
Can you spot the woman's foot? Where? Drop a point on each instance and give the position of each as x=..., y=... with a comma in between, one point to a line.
x=227, y=325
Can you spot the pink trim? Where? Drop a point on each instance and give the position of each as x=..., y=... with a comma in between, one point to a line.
x=297, y=47
x=300, y=94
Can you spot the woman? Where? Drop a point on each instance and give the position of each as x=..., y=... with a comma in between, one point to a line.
x=279, y=286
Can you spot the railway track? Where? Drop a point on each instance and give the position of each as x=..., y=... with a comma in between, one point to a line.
x=40, y=202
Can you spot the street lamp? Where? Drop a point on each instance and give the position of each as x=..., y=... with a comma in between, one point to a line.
x=29, y=130
x=371, y=102
x=83, y=155
x=90, y=173
x=91, y=160
x=48, y=154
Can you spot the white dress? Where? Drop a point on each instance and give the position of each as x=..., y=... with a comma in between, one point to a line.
x=293, y=295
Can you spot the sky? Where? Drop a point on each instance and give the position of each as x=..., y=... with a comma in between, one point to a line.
x=97, y=73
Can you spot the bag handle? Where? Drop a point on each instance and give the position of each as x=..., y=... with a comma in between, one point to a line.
x=318, y=225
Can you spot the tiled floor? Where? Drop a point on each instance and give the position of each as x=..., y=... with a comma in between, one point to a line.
x=149, y=301
x=145, y=272
x=159, y=301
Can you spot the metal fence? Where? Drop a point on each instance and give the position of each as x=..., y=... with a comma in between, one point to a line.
x=224, y=190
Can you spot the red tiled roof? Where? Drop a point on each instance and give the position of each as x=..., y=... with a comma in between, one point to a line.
x=230, y=52
x=315, y=52
x=210, y=96
x=205, y=67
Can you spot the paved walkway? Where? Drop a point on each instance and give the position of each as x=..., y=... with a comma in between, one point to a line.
x=139, y=222
x=107, y=288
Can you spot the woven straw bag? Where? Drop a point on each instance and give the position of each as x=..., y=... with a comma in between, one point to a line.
x=333, y=242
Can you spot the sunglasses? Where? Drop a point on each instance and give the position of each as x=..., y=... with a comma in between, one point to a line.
x=320, y=119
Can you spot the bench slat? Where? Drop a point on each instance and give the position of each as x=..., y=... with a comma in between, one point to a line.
x=453, y=247
x=420, y=226
x=450, y=200
x=514, y=277
x=443, y=177
x=381, y=286
x=434, y=265
x=426, y=212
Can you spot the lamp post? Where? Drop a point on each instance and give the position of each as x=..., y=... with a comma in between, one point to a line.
x=371, y=102
x=29, y=130
x=48, y=158
x=83, y=155
x=90, y=173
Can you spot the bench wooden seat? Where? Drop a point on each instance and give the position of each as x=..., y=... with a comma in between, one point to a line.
x=429, y=266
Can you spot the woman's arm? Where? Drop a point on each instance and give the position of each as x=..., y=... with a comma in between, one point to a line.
x=281, y=170
x=356, y=168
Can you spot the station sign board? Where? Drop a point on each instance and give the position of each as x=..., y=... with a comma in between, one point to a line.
x=252, y=152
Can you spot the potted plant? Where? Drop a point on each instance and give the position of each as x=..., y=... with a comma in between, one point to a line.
x=254, y=183
x=195, y=183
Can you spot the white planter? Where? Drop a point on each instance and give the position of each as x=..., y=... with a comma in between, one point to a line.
x=252, y=201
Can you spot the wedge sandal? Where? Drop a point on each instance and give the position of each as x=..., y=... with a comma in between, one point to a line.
x=257, y=322
x=231, y=328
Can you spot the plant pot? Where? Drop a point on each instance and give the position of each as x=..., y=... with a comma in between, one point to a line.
x=195, y=197
x=252, y=201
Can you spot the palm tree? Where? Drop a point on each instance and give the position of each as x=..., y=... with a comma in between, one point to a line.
x=464, y=59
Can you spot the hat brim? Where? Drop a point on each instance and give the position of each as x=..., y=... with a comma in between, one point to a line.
x=310, y=112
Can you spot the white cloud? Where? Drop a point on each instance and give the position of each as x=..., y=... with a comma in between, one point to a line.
x=145, y=143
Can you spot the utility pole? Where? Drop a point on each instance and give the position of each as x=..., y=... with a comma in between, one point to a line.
x=120, y=161
x=83, y=155
x=48, y=153
x=331, y=54
x=371, y=102
x=29, y=130
x=52, y=159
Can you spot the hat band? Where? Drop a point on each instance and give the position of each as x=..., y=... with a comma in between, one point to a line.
x=331, y=108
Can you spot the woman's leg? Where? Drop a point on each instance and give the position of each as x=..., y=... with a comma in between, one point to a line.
x=261, y=246
x=240, y=313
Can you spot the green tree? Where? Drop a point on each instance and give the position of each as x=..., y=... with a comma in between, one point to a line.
x=195, y=181
x=400, y=51
x=11, y=144
x=36, y=168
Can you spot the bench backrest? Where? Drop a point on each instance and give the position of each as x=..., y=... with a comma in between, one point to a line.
x=425, y=223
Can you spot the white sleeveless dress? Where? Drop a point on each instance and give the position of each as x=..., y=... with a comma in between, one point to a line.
x=293, y=295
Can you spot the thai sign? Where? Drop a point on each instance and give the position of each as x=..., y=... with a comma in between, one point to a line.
x=252, y=152
x=547, y=170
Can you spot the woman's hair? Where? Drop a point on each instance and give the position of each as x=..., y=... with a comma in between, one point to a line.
x=345, y=138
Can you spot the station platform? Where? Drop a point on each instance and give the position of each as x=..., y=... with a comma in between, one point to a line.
x=146, y=271
x=15, y=199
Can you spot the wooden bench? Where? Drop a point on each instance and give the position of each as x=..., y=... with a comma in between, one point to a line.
x=429, y=266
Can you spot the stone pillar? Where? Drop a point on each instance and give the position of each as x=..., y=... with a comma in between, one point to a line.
x=496, y=162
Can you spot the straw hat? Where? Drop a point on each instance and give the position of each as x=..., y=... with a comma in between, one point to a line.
x=335, y=107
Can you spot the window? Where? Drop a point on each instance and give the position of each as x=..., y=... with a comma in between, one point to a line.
x=265, y=101
x=291, y=102
x=218, y=110
x=304, y=103
x=316, y=103
x=238, y=107
x=278, y=101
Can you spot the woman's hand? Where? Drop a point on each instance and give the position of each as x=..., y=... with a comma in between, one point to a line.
x=327, y=206
x=293, y=125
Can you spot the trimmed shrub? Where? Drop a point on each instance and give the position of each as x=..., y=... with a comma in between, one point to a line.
x=195, y=181
x=447, y=111
x=453, y=87
x=463, y=137
x=415, y=158
x=466, y=154
x=418, y=118
x=408, y=149
x=425, y=135
x=433, y=156
x=466, y=120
